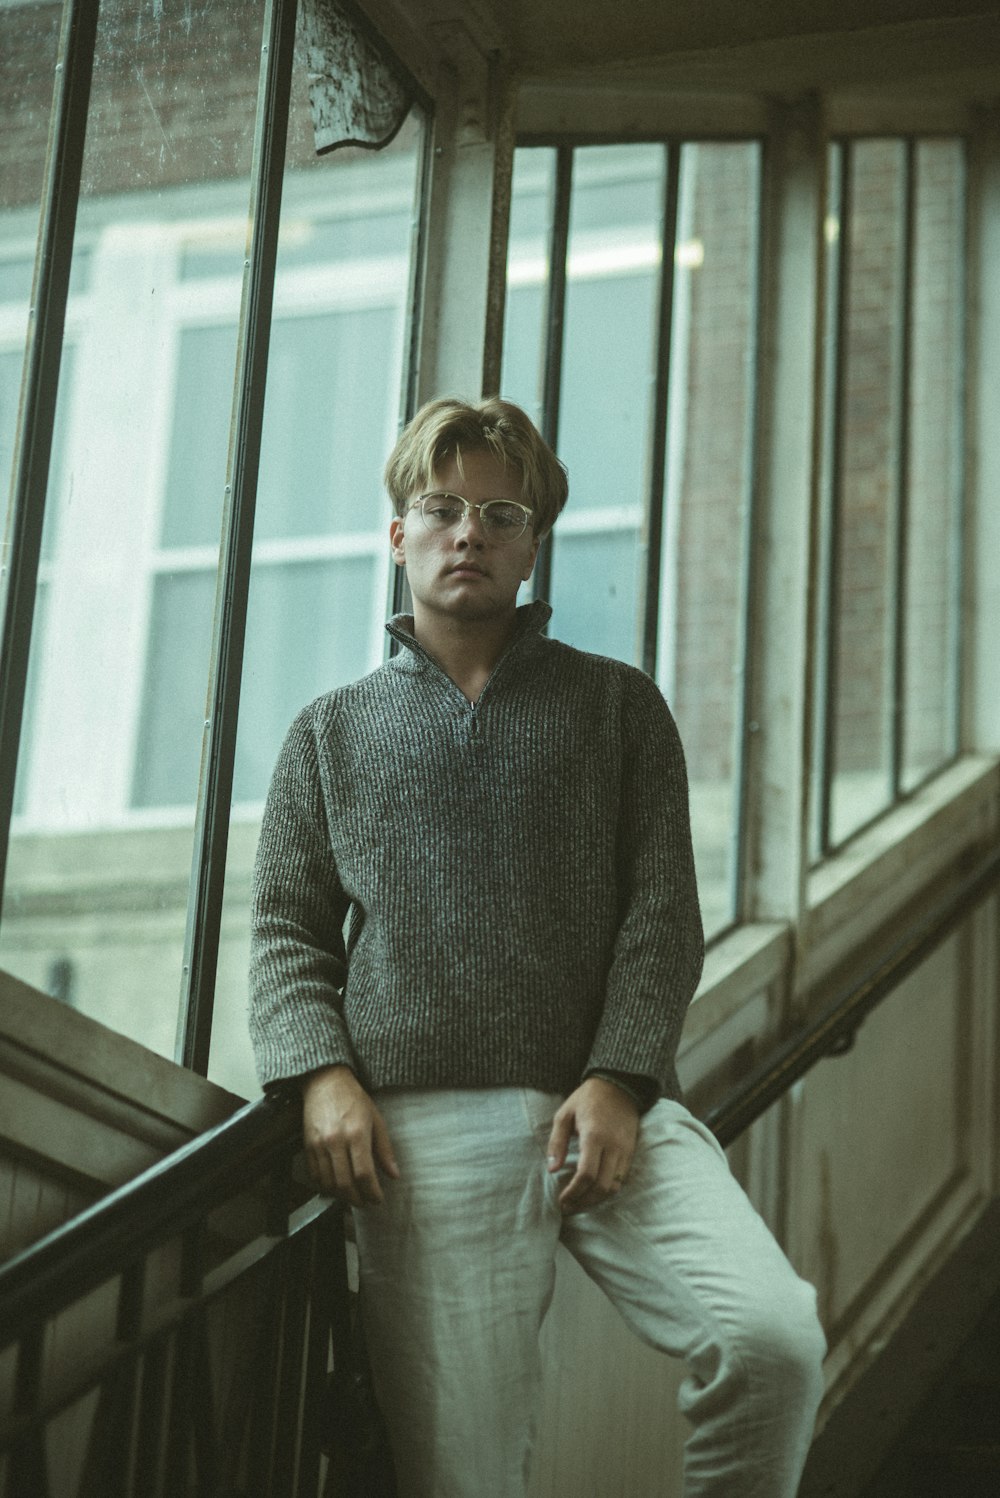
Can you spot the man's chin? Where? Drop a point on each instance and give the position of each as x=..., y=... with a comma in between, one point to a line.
x=475, y=608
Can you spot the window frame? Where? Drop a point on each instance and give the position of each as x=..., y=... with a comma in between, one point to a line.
x=56, y=240
x=832, y=400
x=650, y=517
x=766, y=964
x=767, y=972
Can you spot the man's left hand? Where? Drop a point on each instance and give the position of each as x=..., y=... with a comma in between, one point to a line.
x=605, y=1120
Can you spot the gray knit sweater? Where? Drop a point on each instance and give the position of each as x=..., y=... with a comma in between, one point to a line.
x=518, y=876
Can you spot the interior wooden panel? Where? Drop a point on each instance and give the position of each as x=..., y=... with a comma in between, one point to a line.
x=879, y=1136
x=82, y=1109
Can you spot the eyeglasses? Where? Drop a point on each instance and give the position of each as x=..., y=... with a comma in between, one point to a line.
x=503, y=520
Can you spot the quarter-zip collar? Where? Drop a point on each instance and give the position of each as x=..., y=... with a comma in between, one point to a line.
x=529, y=621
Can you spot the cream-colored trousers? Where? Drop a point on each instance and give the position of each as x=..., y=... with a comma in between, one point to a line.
x=457, y=1271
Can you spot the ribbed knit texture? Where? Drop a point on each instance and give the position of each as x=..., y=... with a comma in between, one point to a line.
x=518, y=872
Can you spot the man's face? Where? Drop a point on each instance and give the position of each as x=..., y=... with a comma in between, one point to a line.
x=463, y=572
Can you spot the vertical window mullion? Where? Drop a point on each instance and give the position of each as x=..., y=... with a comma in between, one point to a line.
x=742, y=809
x=660, y=411
x=838, y=396
x=898, y=599
x=201, y=947
x=957, y=575
x=23, y=540
x=555, y=317
x=398, y=596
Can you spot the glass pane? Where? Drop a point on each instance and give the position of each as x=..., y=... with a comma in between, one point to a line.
x=329, y=407
x=326, y=407
x=168, y=752
x=609, y=352
x=594, y=582
x=609, y=344
x=197, y=453
x=523, y=369
x=707, y=495
x=321, y=564
x=359, y=236
x=310, y=631
x=11, y=364
x=605, y=418
x=872, y=325
x=930, y=685
x=97, y=894
x=29, y=38
x=36, y=656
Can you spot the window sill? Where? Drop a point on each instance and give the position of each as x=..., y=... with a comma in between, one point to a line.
x=732, y=1005
x=913, y=848
x=849, y=899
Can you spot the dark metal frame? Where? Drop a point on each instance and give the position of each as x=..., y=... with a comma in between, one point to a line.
x=201, y=943
x=830, y=636
x=555, y=319
x=660, y=411
x=901, y=497
x=398, y=594
x=897, y=522
x=654, y=507
x=40, y=384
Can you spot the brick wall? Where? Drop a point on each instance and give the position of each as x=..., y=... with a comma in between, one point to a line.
x=28, y=41
x=173, y=97
x=719, y=386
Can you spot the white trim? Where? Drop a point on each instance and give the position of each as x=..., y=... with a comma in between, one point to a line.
x=600, y=519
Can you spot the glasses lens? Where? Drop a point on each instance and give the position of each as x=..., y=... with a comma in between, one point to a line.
x=441, y=511
x=503, y=521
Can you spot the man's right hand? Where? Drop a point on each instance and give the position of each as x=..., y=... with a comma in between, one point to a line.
x=345, y=1137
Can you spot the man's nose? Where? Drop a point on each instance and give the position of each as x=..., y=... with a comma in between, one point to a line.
x=471, y=530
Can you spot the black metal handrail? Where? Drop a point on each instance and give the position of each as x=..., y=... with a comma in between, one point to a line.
x=222, y=1287
x=133, y=1220
x=832, y=1032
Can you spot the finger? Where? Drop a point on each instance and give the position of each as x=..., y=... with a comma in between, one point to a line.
x=624, y=1168
x=558, y=1145
x=612, y=1175
x=347, y=1187
x=321, y=1172
x=384, y=1156
x=577, y=1195
x=608, y=1181
x=365, y=1177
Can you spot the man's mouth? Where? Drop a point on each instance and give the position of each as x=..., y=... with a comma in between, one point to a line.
x=466, y=569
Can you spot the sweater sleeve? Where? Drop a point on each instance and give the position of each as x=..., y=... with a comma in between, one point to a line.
x=297, y=957
x=659, y=949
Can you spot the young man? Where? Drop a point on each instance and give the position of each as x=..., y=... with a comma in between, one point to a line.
x=487, y=1064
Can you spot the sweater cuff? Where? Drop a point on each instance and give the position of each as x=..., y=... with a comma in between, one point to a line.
x=643, y=1091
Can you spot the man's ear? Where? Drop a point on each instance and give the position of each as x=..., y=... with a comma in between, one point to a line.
x=396, y=541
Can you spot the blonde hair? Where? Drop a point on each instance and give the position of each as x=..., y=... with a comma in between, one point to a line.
x=443, y=428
